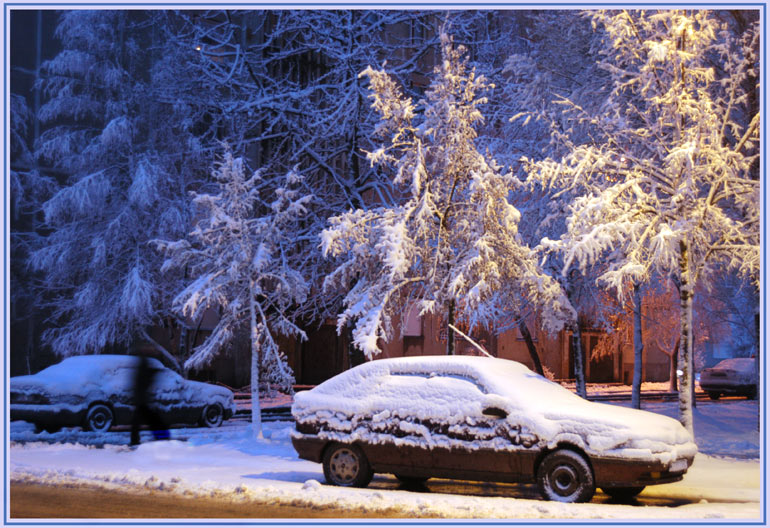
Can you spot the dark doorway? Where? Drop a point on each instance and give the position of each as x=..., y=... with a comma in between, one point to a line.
x=321, y=355
x=602, y=368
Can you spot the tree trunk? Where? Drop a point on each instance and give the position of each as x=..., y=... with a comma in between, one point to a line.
x=577, y=363
x=685, y=348
x=161, y=350
x=256, y=408
x=636, y=386
x=183, y=336
x=531, y=347
x=450, y=334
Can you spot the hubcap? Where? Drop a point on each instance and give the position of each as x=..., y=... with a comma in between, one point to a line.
x=344, y=466
x=564, y=480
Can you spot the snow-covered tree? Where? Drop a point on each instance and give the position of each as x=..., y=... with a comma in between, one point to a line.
x=138, y=101
x=241, y=255
x=547, y=60
x=29, y=188
x=452, y=244
x=668, y=162
x=127, y=129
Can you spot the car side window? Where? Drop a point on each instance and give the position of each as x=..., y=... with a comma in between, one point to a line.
x=443, y=375
x=416, y=391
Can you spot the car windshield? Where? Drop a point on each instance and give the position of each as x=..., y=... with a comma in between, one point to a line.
x=525, y=387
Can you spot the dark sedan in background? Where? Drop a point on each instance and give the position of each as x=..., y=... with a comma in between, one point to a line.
x=734, y=376
x=96, y=392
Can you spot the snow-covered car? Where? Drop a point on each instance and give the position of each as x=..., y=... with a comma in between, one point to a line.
x=96, y=392
x=730, y=376
x=482, y=419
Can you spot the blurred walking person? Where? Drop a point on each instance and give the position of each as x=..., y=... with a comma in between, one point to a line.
x=143, y=414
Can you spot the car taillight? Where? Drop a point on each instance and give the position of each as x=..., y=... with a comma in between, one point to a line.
x=27, y=398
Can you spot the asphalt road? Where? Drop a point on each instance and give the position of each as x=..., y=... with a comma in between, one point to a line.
x=32, y=500
x=36, y=501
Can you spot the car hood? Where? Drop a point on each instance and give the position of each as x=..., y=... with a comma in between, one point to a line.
x=208, y=390
x=611, y=430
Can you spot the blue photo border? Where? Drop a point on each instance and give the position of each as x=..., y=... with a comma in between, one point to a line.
x=9, y=6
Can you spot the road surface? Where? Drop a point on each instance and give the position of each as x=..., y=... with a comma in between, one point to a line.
x=37, y=501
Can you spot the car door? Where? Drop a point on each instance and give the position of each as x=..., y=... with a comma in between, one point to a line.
x=166, y=396
x=118, y=386
x=479, y=432
x=397, y=440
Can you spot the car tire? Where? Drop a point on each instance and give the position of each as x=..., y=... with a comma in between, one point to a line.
x=212, y=416
x=565, y=476
x=99, y=418
x=623, y=494
x=713, y=395
x=346, y=465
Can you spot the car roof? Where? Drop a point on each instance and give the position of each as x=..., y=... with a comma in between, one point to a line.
x=495, y=375
x=102, y=362
x=739, y=363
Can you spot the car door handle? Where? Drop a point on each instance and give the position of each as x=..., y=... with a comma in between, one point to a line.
x=494, y=411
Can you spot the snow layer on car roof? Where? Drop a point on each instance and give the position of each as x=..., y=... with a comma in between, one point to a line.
x=493, y=375
x=81, y=374
x=103, y=362
x=741, y=364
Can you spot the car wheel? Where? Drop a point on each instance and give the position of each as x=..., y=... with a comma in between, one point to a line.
x=713, y=395
x=411, y=480
x=346, y=465
x=99, y=418
x=212, y=415
x=565, y=476
x=623, y=494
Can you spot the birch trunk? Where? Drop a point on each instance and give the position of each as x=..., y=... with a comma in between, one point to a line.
x=256, y=409
x=636, y=386
x=577, y=348
x=686, y=386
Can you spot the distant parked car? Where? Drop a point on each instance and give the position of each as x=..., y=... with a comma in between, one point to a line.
x=484, y=419
x=730, y=376
x=96, y=392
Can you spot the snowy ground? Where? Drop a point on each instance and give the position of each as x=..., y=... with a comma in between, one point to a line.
x=723, y=484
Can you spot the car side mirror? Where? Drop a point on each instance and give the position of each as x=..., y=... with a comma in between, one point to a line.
x=495, y=412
